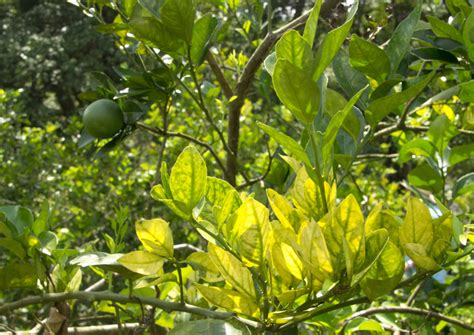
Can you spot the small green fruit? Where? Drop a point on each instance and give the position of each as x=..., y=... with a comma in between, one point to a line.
x=103, y=118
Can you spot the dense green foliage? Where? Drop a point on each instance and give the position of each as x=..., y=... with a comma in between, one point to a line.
x=320, y=157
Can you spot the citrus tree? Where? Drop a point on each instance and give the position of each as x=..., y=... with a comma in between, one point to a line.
x=283, y=143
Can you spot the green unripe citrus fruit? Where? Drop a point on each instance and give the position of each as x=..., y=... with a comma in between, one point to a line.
x=103, y=118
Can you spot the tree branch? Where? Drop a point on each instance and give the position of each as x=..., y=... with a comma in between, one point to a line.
x=161, y=132
x=124, y=299
x=219, y=75
x=246, y=79
x=408, y=310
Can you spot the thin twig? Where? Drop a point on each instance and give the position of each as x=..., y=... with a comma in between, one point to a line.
x=211, y=60
x=408, y=310
x=161, y=132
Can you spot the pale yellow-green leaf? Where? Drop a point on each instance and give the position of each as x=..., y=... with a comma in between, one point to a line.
x=417, y=227
x=229, y=300
x=386, y=272
x=284, y=210
x=314, y=251
x=233, y=271
x=314, y=199
x=156, y=237
x=202, y=261
x=158, y=193
x=217, y=190
x=251, y=230
x=230, y=204
x=419, y=256
x=438, y=250
x=345, y=224
x=288, y=297
x=188, y=178
x=287, y=262
x=379, y=218
x=142, y=262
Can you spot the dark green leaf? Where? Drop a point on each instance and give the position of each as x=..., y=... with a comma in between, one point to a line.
x=464, y=185
x=380, y=108
x=426, y=177
x=431, y=54
x=460, y=153
x=20, y=218
x=368, y=58
x=467, y=91
x=202, y=34
x=441, y=131
x=178, y=17
x=350, y=80
x=401, y=37
x=443, y=29
x=417, y=147
x=287, y=143
x=296, y=90
x=332, y=43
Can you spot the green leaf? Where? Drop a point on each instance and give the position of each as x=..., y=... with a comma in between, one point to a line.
x=150, y=30
x=286, y=261
x=467, y=91
x=468, y=34
x=206, y=327
x=364, y=325
x=19, y=218
x=296, y=90
x=128, y=6
x=400, y=42
x=417, y=227
x=217, y=190
x=417, y=147
x=434, y=54
x=250, y=229
x=388, y=268
x=460, y=153
x=332, y=130
x=314, y=251
x=420, y=257
x=427, y=177
x=229, y=299
x=188, y=178
x=464, y=185
x=332, y=43
x=203, y=31
x=312, y=23
x=269, y=63
x=232, y=270
x=156, y=237
x=343, y=230
x=158, y=193
x=13, y=246
x=178, y=17
x=142, y=262
x=382, y=107
x=108, y=262
x=283, y=210
x=294, y=48
x=41, y=224
x=441, y=131
x=350, y=80
x=288, y=144
x=379, y=218
x=369, y=59
x=443, y=29
x=18, y=275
